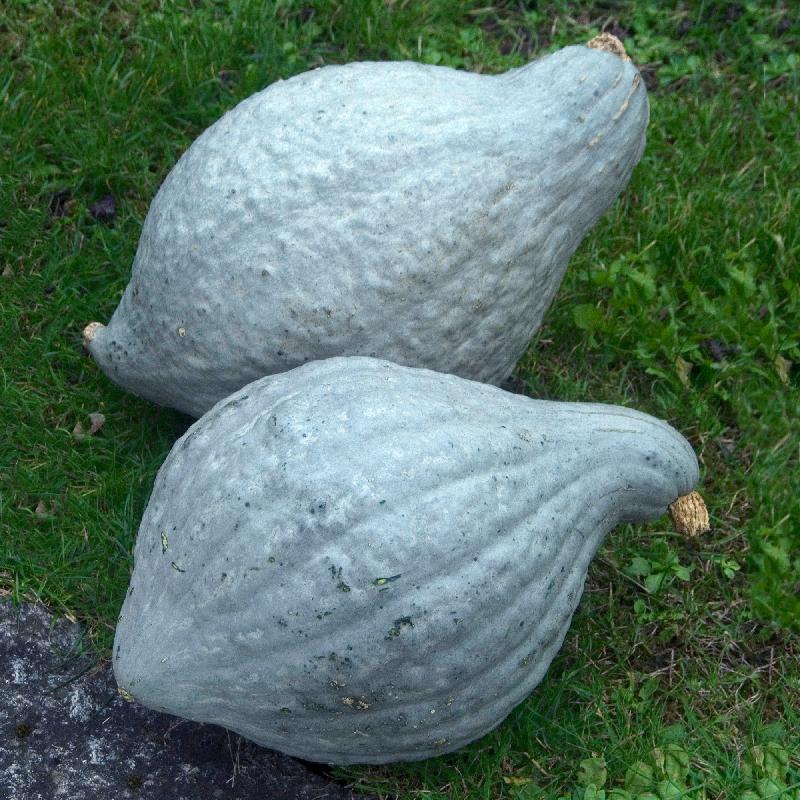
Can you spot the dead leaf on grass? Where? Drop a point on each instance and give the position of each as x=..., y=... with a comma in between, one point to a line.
x=783, y=366
x=516, y=780
x=61, y=203
x=45, y=510
x=96, y=421
x=683, y=368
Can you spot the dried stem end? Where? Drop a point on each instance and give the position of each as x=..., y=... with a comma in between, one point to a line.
x=610, y=44
x=689, y=515
x=90, y=331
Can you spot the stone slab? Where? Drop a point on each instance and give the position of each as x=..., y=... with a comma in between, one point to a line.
x=65, y=732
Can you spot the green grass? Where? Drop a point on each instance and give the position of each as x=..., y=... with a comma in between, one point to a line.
x=683, y=302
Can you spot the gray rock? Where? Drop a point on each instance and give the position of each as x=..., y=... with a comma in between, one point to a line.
x=66, y=733
x=400, y=210
x=360, y=562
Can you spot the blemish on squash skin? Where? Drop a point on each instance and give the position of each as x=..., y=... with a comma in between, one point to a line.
x=336, y=574
x=622, y=109
x=618, y=430
x=351, y=702
x=399, y=624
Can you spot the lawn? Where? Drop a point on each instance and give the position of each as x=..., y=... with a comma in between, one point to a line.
x=681, y=673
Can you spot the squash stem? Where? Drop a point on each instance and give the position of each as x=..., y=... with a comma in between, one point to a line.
x=689, y=515
x=90, y=331
x=610, y=44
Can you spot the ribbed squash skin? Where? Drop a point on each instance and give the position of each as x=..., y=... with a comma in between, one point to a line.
x=398, y=210
x=361, y=562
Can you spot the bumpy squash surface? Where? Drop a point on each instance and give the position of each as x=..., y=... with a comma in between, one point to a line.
x=360, y=562
x=399, y=210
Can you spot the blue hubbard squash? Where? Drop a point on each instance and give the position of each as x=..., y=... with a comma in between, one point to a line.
x=411, y=212
x=356, y=561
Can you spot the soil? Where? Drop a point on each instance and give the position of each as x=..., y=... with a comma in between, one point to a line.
x=65, y=732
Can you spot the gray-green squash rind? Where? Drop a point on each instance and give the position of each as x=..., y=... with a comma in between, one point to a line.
x=360, y=562
x=399, y=210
